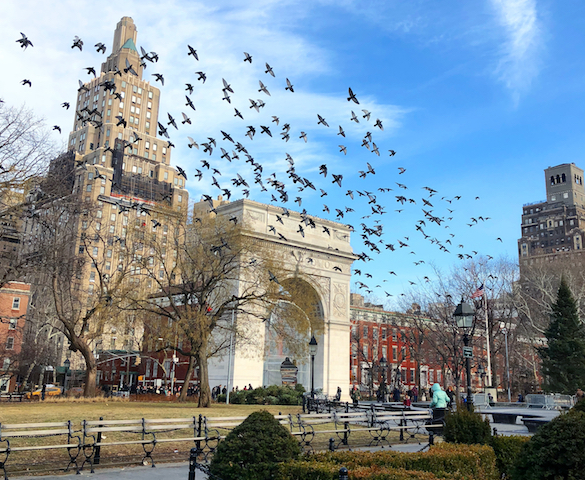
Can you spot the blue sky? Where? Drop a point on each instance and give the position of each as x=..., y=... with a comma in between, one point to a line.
x=476, y=98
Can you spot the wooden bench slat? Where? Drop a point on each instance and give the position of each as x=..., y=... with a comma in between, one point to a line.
x=11, y=426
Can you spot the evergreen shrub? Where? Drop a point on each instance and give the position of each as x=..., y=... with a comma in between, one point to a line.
x=464, y=426
x=253, y=450
x=272, y=395
x=507, y=450
x=556, y=450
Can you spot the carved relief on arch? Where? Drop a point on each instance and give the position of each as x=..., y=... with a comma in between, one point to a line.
x=255, y=216
x=340, y=300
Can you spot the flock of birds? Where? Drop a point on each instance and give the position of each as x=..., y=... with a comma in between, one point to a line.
x=366, y=204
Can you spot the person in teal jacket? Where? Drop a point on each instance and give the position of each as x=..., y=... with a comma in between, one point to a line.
x=440, y=398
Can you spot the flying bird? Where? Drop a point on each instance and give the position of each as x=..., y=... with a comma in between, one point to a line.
x=289, y=86
x=77, y=42
x=192, y=52
x=100, y=47
x=26, y=82
x=379, y=124
x=354, y=117
x=159, y=78
x=352, y=97
x=202, y=76
x=248, y=57
x=263, y=88
x=322, y=121
x=366, y=115
x=269, y=70
x=24, y=41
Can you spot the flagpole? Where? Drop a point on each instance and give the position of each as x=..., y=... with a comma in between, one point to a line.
x=487, y=336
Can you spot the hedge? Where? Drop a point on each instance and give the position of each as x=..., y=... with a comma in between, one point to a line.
x=272, y=395
x=444, y=460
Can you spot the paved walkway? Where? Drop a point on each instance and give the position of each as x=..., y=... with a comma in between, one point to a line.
x=163, y=471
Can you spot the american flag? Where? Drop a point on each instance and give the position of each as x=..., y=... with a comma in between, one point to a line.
x=478, y=293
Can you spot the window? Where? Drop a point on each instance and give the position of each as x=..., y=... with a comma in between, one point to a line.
x=394, y=353
x=92, y=277
x=16, y=303
x=88, y=188
x=9, y=343
x=113, y=343
x=365, y=351
x=149, y=94
x=394, y=336
x=6, y=364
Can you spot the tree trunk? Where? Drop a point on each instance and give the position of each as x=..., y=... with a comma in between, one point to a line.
x=188, y=375
x=90, y=368
x=204, y=390
x=27, y=376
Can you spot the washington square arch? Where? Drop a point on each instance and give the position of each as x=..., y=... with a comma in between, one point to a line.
x=321, y=259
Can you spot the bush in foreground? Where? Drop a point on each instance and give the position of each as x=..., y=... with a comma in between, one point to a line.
x=462, y=462
x=507, y=450
x=557, y=450
x=253, y=450
x=464, y=426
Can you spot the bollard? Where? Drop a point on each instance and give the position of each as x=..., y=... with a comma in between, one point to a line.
x=331, y=444
x=431, y=438
x=343, y=474
x=192, y=463
x=97, y=452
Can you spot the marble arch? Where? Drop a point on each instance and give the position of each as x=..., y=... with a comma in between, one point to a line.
x=323, y=258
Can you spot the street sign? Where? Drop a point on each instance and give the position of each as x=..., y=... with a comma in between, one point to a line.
x=467, y=352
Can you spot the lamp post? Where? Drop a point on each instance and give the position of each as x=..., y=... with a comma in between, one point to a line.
x=481, y=371
x=505, y=332
x=313, y=352
x=66, y=364
x=464, y=316
x=383, y=365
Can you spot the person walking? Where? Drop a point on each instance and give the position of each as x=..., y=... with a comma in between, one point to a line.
x=355, y=395
x=439, y=402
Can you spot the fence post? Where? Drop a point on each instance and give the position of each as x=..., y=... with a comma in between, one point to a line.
x=431, y=438
x=495, y=432
x=331, y=444
x=402, y=430
x=97, y=454
x=343, y=474
x=192, y=463
x=199, y=432
x=304, y=404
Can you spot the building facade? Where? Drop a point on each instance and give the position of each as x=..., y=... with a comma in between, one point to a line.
x=554, y=229
x=120, y=173
x=14, y=298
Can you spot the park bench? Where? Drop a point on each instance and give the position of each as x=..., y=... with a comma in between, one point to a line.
x=17, y=437
x=12, y=397
x=534, y=423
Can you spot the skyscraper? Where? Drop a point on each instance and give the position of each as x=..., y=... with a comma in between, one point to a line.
x=554, y=229
x=118, y=184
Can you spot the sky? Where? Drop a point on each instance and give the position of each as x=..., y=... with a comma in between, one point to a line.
x=476, y=99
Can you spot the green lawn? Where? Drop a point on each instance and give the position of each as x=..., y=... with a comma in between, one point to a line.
x=76, y=411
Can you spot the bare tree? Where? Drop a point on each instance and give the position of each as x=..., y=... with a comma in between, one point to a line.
x=25, y=151
x=208, y=273
x=87, y=276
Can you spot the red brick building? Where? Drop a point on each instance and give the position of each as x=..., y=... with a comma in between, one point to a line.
x=14, y=298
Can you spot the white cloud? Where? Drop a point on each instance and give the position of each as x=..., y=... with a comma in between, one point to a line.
x=520, y=54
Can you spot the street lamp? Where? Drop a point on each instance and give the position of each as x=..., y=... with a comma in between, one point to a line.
x=66, y=364
x=383, y=365
x=464, y=315
x=505, y=332
x=313, y=352
x=481, y=371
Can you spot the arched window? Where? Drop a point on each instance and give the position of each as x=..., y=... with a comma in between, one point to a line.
x=564, y=178
x=552, y=180
x=558, y=179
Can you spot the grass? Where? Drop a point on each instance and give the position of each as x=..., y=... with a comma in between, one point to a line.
x=59, y=410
